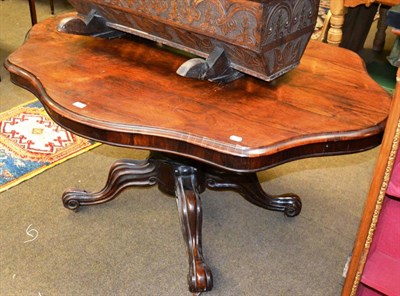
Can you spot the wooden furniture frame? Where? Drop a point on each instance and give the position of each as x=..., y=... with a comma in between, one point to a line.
x=32, y=10
x=202, y=135
x=337, y=8
x=376, y=195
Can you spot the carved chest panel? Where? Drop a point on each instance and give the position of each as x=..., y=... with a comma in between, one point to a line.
x=263, y=38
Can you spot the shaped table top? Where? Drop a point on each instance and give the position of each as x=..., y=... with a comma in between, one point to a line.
x=125, y=92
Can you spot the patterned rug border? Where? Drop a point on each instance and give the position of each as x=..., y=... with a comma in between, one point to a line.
x=40, y=170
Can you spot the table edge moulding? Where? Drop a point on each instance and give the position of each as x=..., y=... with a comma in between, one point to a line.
x=232, y=155
x=201, y=135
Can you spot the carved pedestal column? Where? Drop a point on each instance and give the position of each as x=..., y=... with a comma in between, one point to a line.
x=185, y=179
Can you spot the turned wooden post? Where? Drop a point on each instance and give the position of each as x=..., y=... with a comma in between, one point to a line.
x=380, y=36
x=336, y=22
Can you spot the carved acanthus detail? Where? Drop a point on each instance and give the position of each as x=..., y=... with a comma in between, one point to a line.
x=234, y=20
x=262, y=38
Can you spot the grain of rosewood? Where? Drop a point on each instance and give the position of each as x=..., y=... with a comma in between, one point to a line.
x=126, y=93
x=328, y=105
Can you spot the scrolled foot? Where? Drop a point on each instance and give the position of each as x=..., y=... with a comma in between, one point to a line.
x=291, y=211
x=200, y=278
x=190, y=216
x=71, y=199
x=289, y=202
x=123, y=173
x=249, y=187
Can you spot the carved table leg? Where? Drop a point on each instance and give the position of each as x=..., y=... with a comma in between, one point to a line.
x=249, y=187
x=185, y=179
x=190, y=215
x=123, y=173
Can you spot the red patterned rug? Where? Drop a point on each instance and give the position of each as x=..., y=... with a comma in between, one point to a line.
x=30, y=143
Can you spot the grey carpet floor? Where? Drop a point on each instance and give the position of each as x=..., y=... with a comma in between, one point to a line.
x=133, y=245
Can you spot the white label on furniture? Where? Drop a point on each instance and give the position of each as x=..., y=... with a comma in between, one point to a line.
x=236, y=138
x=79, y=105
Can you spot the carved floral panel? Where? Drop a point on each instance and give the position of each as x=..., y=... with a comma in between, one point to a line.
x=263, y=38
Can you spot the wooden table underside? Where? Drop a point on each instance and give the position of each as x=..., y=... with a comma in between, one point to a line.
x=202, y=135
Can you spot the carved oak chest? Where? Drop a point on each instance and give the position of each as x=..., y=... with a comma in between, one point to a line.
x=262, y=38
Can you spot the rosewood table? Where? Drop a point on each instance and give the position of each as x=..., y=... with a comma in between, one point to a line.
x=125, y=92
